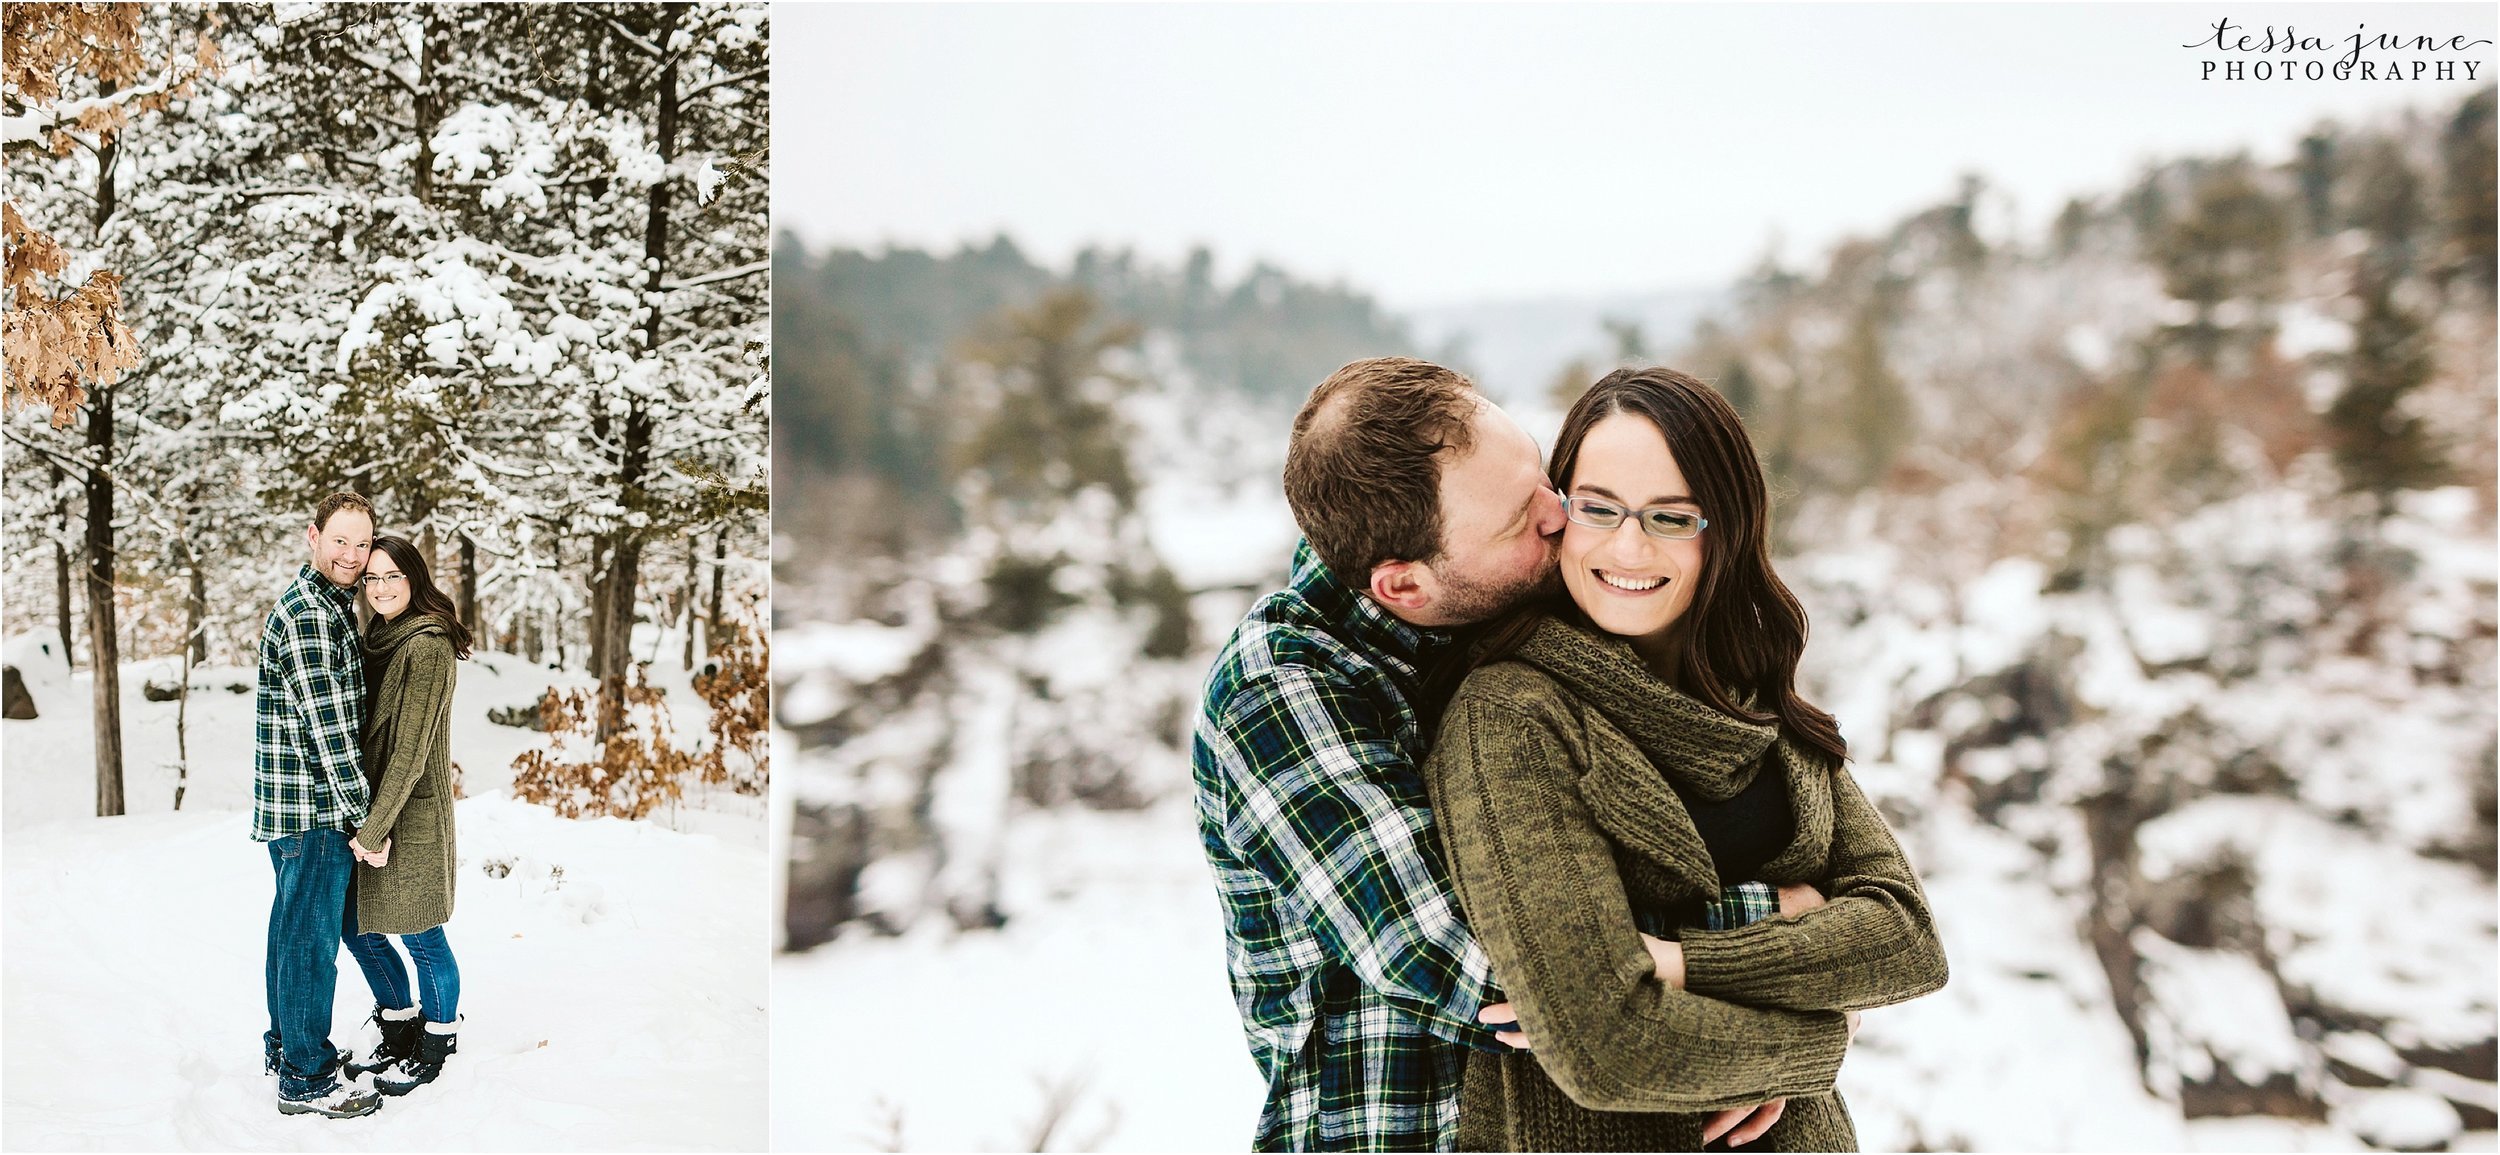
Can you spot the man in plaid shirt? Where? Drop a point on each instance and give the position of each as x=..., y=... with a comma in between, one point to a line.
x=1359, y=984
x=1423, y=508
x=308, y=796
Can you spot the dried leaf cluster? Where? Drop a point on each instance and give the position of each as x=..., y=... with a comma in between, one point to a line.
x=54, y=348
x=636, y=771
x=59, y=347
x=739, y=687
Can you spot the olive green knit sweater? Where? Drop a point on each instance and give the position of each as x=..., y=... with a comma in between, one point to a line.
x=1550, y=783
x=409, y=674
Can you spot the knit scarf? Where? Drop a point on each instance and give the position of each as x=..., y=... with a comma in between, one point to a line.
x=1707, y=754
x=386, y=634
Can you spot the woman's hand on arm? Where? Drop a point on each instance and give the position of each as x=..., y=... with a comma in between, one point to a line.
x=1743, y=1125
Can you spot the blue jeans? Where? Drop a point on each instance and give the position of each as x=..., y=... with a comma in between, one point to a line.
x=438, y=974
x=303, y=962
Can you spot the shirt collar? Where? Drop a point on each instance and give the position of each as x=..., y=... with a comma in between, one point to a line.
x=1365, y=622
x=341, y=596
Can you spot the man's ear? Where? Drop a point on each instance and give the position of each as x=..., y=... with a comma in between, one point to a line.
x=1407, y=587
x=312, y=536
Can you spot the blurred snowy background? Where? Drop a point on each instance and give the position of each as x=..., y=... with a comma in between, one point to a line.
x=2148, y=535
x=502, y=269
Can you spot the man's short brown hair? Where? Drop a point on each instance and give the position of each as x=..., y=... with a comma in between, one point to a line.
x=1362, y=472
x=338, y=501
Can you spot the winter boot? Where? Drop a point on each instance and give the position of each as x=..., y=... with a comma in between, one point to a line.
x=341, y=1101
x=399, y=1041
x=439, y=1041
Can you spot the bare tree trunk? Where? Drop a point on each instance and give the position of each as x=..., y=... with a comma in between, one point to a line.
x=602, y=587
x=102, y=643
x=428, y=110
x=555, y=623
x=107, y=158
x=720, y=564
x=182, y=741
x=694, y=578
x=659, y=624
x=617, y=654
x=624, y=569
x=60, y=577
x=198, y=649
x=182, y=707
x=468, y=586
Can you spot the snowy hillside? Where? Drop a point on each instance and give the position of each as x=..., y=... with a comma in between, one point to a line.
x=612, y=971
x=2154, y=583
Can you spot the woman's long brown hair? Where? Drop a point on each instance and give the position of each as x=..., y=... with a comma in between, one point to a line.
x=1746, y=629
x=424, y=597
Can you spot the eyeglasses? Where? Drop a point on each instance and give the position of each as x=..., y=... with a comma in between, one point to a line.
x=1658, y=521
x=375, y=581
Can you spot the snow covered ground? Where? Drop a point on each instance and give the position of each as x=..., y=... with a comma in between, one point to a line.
x=613, y=973
x=1100, y=1011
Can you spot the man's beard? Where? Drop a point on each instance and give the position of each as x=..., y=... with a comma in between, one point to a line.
x=1465, y=601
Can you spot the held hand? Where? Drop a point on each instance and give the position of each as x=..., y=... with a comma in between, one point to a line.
x=1797, y=899
x=1743, y=1125
x=1498, y=1014
x=382, y=857
x=1668, y=958
x=358, y=849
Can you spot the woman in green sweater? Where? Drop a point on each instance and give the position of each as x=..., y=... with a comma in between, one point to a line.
x=405, y=853
x=1629, y=787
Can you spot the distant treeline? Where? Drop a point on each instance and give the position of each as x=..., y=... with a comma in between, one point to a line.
x=864, y=342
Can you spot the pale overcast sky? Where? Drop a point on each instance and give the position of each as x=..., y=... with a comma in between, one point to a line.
x=1435, y=154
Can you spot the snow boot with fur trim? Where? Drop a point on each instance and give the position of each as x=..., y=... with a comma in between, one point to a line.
x=439, y=1041
x=399, y=1041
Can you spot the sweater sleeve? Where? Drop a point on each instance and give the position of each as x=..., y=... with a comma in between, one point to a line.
x=1872, y=944
x=420, y=707
x=1538, y=880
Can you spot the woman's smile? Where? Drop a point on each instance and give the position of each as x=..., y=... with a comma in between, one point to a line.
x=1621, y=583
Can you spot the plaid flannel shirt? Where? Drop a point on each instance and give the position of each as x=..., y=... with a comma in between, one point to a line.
x=1740, y=905
x=1357, y=978
x=309, y=713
